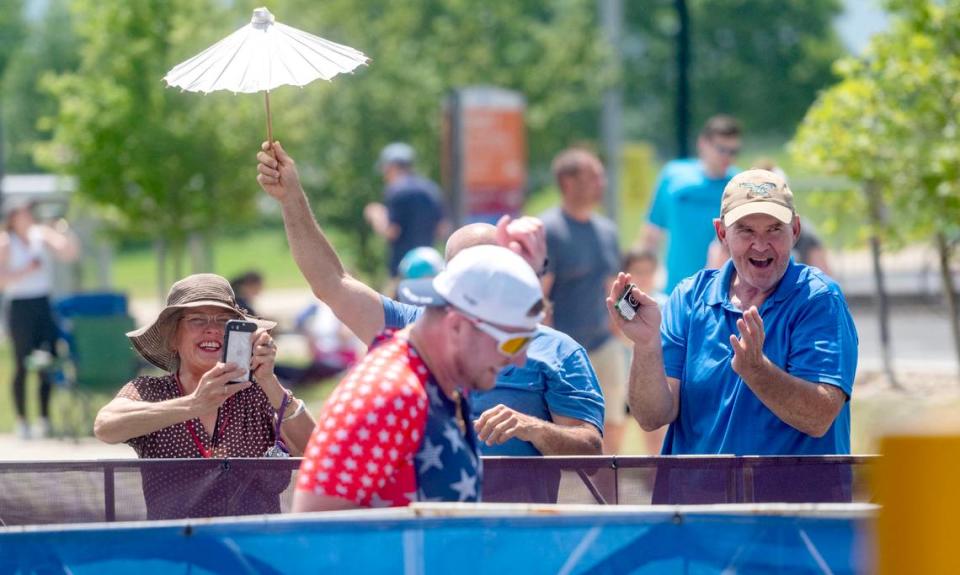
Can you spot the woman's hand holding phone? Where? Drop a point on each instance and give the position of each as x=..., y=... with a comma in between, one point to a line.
x=213, y=390
x=264, y=355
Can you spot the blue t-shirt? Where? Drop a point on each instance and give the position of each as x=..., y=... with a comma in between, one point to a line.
x=685, y=203
x=582, y=256
x=809, y=334
x=414, y=204
x=556, y=378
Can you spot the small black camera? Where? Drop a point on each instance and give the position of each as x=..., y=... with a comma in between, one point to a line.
x=628, y=303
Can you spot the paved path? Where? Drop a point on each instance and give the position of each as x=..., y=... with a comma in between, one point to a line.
x=14, y=449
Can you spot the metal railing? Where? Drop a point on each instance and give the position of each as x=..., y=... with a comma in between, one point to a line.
x=50, y=492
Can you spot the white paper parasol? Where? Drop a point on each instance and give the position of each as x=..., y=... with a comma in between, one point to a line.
x=261, y=56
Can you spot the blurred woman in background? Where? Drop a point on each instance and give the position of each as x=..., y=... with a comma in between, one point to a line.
x=27, y=250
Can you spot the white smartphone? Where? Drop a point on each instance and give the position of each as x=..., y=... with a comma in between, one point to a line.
x=238, y=346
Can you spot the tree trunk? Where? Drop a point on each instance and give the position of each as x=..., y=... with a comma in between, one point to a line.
x=178, y=250
x=876, y=224
x=945, y=251
x=201, y=253
x=160, y=246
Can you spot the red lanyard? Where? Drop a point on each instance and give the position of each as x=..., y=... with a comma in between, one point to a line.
x=217, y=430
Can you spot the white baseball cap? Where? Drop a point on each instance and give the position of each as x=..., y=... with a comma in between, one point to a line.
x=490, y=283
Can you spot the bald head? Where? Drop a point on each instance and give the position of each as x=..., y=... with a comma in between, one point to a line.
x=468, y=236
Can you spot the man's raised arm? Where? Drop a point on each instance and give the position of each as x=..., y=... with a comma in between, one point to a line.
x=354, y=303
x=653, y=397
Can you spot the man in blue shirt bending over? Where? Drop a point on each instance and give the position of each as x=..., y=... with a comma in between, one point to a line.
x=550, y=404
x=756, y=358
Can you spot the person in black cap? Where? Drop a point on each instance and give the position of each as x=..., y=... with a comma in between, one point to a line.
x=412, y=213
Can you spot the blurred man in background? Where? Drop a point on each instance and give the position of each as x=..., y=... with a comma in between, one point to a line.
x=584, y=257
x=411, y=214
x=686, y=198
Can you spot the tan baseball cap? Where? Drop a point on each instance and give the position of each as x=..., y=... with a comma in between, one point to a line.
x=756, y=192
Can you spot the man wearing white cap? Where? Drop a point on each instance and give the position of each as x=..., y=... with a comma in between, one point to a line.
x=756, y=358
x=551, y=405
x=394, y=430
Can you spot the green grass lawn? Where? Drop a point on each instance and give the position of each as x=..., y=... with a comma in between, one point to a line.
x=262, y=249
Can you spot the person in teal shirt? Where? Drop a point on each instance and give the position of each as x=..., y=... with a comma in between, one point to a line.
x=686, y=198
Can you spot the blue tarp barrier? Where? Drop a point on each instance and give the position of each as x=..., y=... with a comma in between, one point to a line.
x=441, y=539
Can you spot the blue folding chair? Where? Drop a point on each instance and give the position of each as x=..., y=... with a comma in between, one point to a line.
x=100, y=357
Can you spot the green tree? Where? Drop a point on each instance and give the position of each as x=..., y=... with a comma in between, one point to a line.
x=919, y=66
x=547, y=50
x=50, y=47
x=11, y=30
x=760, y=60
x=891, y=124
x=11, y=34
x=839, y=137
x=159, y=163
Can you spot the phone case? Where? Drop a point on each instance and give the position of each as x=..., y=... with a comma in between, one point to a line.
x=238, y=346
x=627, y=310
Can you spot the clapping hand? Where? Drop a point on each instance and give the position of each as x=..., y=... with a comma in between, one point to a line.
x=748, y=355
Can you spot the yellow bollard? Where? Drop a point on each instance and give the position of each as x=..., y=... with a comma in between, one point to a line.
x=918, y=487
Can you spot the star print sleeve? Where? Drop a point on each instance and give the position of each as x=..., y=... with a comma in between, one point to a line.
x=367, y=434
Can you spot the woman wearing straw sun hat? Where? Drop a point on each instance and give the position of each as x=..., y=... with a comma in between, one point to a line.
x=192, y=410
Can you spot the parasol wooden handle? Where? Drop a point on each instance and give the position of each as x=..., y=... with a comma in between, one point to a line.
x=266, y=99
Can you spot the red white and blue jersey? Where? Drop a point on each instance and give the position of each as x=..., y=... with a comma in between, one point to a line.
x=388, y=435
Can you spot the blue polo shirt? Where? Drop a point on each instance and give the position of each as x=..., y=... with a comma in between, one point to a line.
x=684, y=205
x=809, y=334
x=557, y=378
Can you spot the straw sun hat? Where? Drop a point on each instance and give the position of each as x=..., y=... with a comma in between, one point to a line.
x=155, y=341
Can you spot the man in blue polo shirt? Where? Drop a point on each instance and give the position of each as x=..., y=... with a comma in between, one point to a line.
x=756, y=358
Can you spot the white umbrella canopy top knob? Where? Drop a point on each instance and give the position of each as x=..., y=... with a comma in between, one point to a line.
x=262, y=56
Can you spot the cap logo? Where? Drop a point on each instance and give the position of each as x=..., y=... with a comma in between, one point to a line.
x=761, y=190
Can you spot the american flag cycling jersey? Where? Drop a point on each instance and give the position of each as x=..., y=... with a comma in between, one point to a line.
x=388, y=435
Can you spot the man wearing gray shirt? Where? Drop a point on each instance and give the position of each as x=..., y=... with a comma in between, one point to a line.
x=584, y=257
